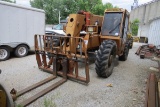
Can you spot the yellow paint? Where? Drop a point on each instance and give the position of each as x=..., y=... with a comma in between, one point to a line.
x=2, y=99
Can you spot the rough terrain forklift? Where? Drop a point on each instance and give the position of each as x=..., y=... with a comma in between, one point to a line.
x=106, y=36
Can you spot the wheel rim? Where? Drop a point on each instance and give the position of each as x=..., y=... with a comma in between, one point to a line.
x=110, y=65
x=22, y=51
x=3, y=53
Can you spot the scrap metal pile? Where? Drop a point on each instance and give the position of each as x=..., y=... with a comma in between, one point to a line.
x=148, y=51
x=153, y=83
x=153, y=87
x=152, y=93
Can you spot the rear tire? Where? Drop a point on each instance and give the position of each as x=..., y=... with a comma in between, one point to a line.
x=21, y=51
x=106, y=54
x=4, y=53
x=131, y=43
x=125, y=53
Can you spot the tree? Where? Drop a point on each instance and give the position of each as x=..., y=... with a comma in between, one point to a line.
x=10, y=1
x=86, y=5
x=66, y=7
x=37, y=3
x=100, y=8
x=51, y=8
x=134, y=27
x=108, y=5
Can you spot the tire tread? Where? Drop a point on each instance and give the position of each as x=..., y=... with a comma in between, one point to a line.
x=102, y=56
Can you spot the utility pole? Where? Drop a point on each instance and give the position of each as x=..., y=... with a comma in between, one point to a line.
x=59, y=17
x=135, y=4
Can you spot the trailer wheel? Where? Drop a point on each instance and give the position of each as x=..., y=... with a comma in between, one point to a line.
x=125, y=53
x=21, y=51
x=105, y=57
x=4, y=53
x=5, y=98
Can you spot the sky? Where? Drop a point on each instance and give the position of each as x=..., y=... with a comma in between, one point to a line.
x=125, y=3
x=120, y=3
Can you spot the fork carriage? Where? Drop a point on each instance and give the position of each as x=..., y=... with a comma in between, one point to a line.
x=53, y=49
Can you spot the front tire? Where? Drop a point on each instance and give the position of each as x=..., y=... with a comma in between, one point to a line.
x=105, y=57
x=21, y=51
x=4, y=53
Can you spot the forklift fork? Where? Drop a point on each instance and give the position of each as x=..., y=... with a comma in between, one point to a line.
x=16, y=94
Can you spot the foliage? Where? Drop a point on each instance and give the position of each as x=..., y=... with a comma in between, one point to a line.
x=10, y=1
x=134, y=27
x=100, y=8
x=19, y=106
x=51, y=8
x=108, y=5
x=66, y=7
x=49, y=103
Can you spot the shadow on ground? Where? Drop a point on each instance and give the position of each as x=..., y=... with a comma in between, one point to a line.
x=13, y=55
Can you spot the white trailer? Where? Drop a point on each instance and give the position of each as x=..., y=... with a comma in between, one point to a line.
x=18, y=25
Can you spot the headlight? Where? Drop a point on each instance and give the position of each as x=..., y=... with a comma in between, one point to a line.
x=90, y=29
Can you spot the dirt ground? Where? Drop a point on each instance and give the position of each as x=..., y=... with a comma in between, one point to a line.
x=128, y=82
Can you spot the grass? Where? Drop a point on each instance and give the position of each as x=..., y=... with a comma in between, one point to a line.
x=19, y=105
x=50, y=101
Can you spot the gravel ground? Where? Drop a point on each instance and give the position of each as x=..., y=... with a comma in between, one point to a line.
x=128, y=83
